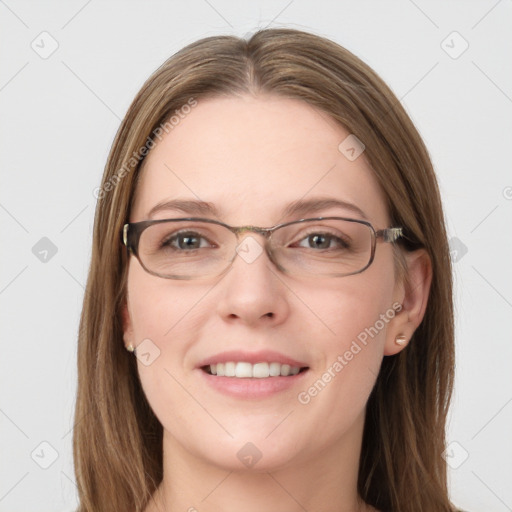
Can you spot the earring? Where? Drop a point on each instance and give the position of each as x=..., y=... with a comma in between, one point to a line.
x=130, y=348
x=401, y=340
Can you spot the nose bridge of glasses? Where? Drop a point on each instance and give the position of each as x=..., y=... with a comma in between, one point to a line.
x=244, y=230
x=248, y=248
x=253, y=229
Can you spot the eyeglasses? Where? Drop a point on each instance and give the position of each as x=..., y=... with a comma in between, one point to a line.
x=194, y=248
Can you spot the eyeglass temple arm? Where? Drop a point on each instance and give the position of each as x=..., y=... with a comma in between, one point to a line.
x=390, y=234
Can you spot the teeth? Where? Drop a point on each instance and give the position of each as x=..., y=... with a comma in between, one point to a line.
x=275, y=369
x=260, y=371
x=244, y=370
x=229, y=369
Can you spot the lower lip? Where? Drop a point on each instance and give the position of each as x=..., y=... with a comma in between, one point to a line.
x=252, y=387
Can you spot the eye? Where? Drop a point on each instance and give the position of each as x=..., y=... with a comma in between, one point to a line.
x=323, y=241
x=186, y=240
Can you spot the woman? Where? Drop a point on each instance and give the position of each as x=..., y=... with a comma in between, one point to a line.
x=268, y=318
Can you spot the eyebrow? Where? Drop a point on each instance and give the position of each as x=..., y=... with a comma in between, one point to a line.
x=299, y=208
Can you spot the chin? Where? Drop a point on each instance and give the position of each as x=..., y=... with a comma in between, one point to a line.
x=255, y=458
x=248, y=450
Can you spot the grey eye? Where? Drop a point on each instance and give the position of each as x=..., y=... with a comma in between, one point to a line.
x=322, y=241
x=186, y=240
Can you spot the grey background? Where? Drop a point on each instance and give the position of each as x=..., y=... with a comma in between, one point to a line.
x=60, y=113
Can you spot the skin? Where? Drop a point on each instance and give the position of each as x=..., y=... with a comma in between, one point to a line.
x=252, y=156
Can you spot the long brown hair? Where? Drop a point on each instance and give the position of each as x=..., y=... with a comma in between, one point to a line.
x=117, y=438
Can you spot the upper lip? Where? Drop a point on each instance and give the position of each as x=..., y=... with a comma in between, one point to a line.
x=264, y=356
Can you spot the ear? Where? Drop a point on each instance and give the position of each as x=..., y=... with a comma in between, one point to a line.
x=412, y=292
x=127, y=325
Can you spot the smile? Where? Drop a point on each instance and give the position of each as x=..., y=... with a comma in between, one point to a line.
x=245, y=370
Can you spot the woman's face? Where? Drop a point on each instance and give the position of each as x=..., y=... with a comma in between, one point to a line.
x=251, y=158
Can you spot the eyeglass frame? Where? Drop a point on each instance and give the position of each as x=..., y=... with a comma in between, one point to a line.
x=132, y=231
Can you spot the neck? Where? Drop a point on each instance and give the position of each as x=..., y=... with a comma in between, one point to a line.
x=324, y=483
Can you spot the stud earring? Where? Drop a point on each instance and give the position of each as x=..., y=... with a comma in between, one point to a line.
x=401, y=340
x=130, y=348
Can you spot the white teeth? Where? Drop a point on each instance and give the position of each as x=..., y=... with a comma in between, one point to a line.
x=243, y=370
x=260, y=370
x=229, y=369
x=275, y=369
x=285, y=370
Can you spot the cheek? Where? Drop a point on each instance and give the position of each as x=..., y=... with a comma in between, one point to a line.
x=355, y=310
x=158, y=306
x=355, y=315
x=165, y=321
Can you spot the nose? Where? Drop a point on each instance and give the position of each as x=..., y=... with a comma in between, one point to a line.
x=253, y=292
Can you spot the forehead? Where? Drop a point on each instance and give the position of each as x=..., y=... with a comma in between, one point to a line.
x=251, y=157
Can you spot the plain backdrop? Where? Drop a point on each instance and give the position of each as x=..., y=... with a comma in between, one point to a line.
x=69, y=71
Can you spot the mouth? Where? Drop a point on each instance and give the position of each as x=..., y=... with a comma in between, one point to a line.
x=246, y=370
x=243, y=374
